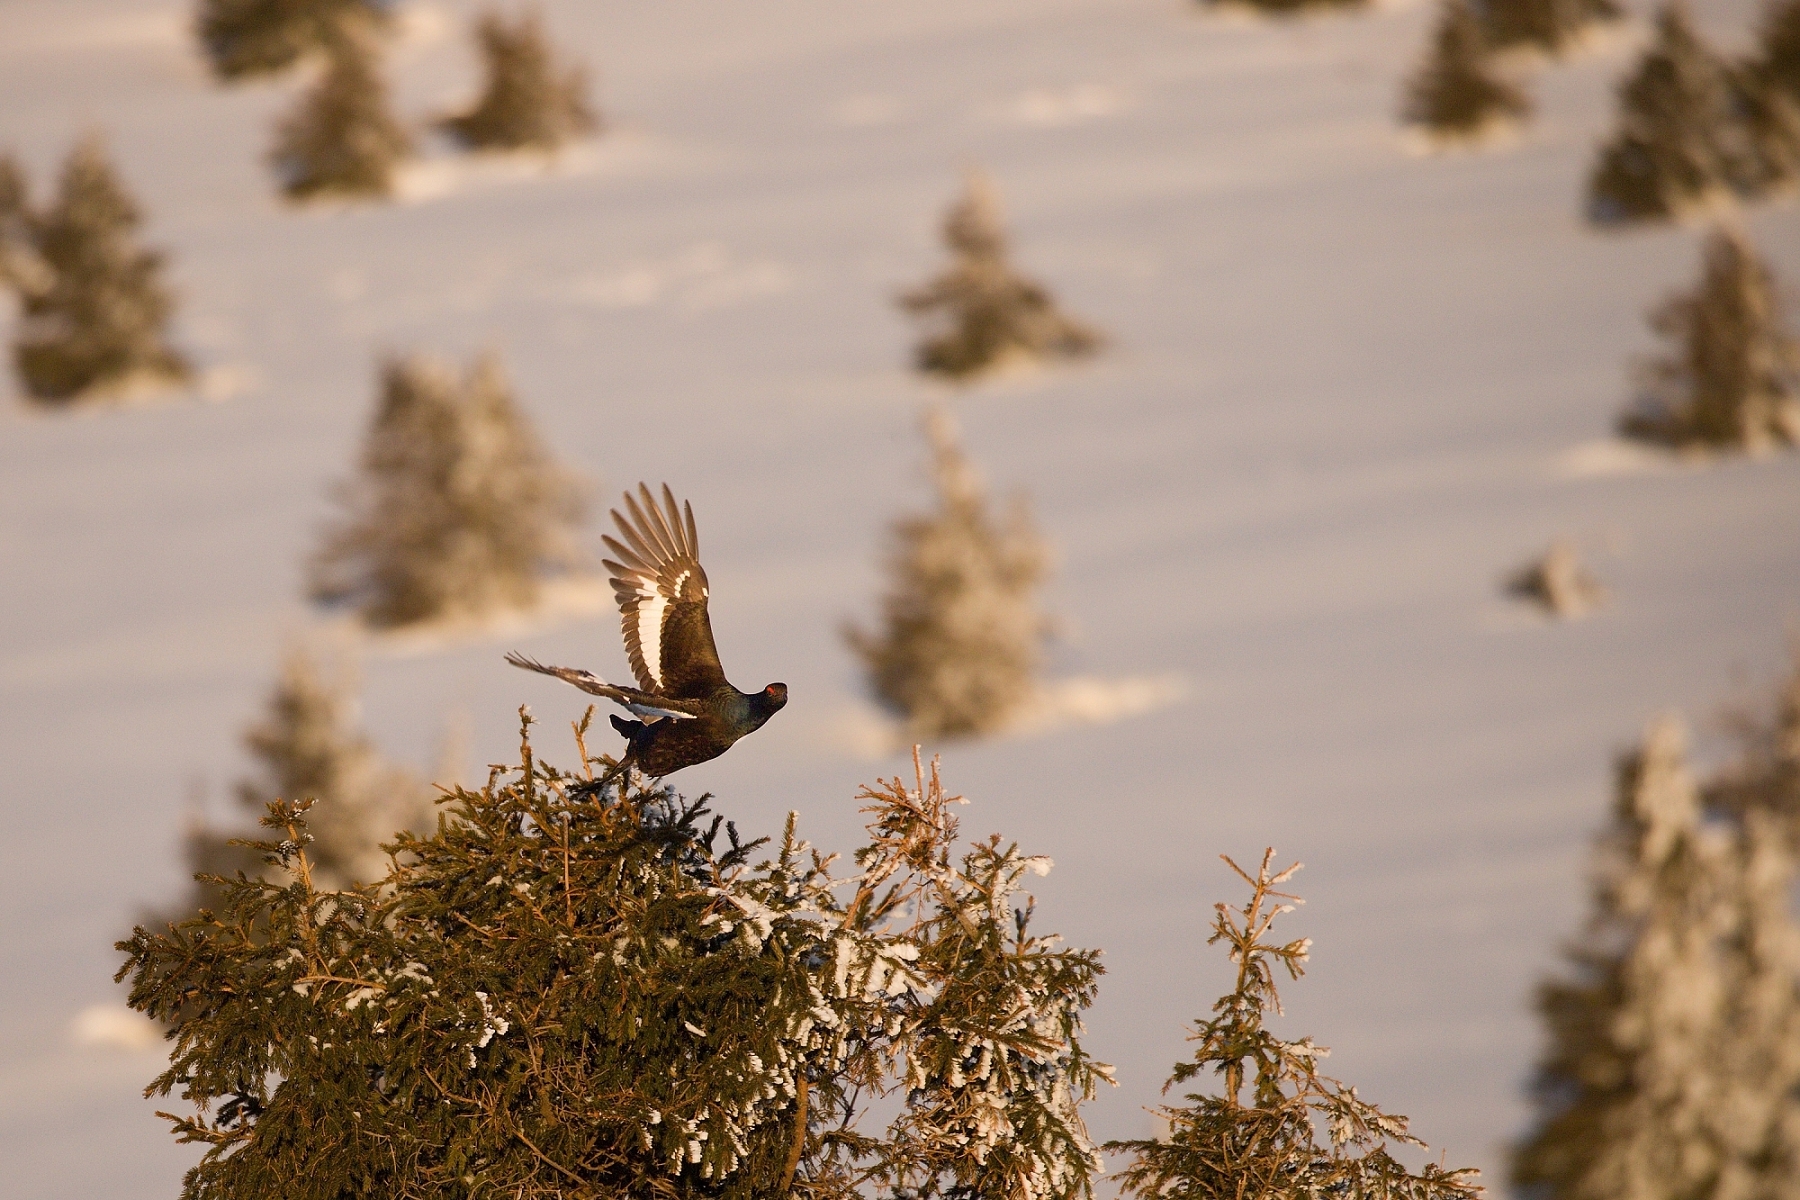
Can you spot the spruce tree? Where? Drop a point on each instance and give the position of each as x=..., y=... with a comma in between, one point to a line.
x=527, y=101
x=577, y=987
x=1549, y=25
x=95, y=310
x=961, y=637
x=308, y=748
x=1767, y=94
x=1630, y=1083
x=1729, y=378
x=1679, y=141
x=18, y=256
x=1778, y=59
x=458, y=510
x=1456, y=93
x=1259, y=1137
x=1759, y=795
x=245, y=38
x=1760, y=1062
x=1284, y=8
x=1674, y=1066
x=341, y=139
x=1559, y=582
x=985, y=313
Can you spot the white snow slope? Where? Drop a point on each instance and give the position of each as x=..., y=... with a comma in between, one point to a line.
x=1344, y=389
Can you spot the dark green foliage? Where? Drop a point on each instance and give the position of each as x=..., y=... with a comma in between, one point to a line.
x=458, y=510
x=244, y=38
x=342, y=139
x=1456, y=93
x=1266, y=1145
x=1730, y=379
x=579, y=988
x=94, y=306
x=1546, y=24
x=1688, y=133
x=527, y=102
x=989, y=315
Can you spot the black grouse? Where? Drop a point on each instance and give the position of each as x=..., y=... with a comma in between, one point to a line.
x=689, y=711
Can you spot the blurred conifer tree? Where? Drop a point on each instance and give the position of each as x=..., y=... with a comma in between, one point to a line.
x=527, y=101
x=458, y=509
x=95, y=310
x=962, y=634
x=1282, y=8
x=1689, y=132
x=1729, y=380
x=341, y=139
x=986, y=313
x=1558, y=581
x=1549, y=25
x=1673, y=1070
x=1766, y=92
x=245, y=38
x=308, y=748
x=1778, y=47
x=1456, y=93
x=1259, y=1138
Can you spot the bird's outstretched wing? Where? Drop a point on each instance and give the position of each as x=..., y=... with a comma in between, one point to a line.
x=661, y=590
x=644, y=705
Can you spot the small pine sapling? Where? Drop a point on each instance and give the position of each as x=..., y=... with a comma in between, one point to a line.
x=1286, y=8
x=1559, y=582
x=575, y=988
x=307, y=748
x=1777, y=61
x=1759, y=797
x=95, y=311
x=1766, y=99
x=246, y=38
x=962, y=635
x=994, y=1071
x=1627, y=1085
x=20, y=266
x=342, y=139
x=1679, y=144
x=458, y=510
x=1259, y=1137
x=1673, y=1066
x=1547, y=25
x=1456, y=95
x=528, y=102
x=1729, y=380
x=985, y=313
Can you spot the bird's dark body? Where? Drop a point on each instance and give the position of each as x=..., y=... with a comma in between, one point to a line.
x=664, y=747
x=691, y=712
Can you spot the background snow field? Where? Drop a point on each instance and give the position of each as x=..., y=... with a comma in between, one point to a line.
x=1350, y=388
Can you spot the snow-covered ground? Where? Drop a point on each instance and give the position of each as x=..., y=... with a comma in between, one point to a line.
x=1350, y=388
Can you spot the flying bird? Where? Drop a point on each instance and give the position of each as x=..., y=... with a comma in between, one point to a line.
x=688, y=711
